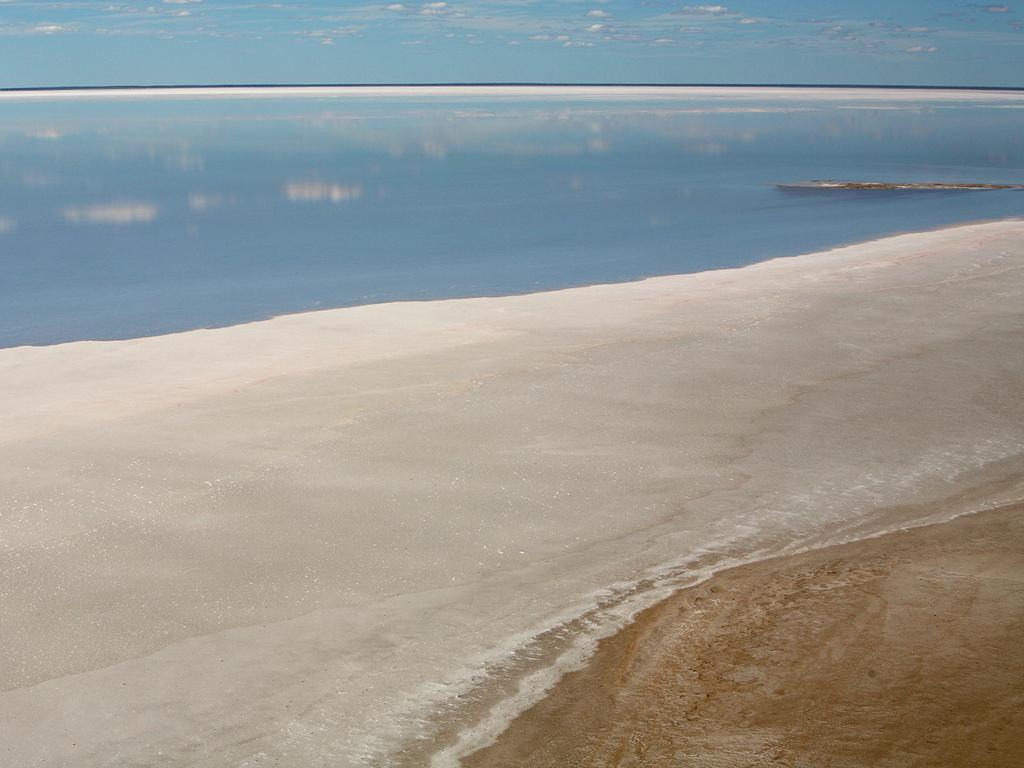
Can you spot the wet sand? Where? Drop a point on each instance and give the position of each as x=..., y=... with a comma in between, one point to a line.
x=904, y=650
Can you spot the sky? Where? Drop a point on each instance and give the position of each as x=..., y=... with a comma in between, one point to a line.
x=918, y=42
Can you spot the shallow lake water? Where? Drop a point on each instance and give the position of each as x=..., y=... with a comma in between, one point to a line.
x=122, y=218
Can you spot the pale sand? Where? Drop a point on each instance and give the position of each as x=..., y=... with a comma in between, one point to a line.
x=290, y=542
x=903, y=650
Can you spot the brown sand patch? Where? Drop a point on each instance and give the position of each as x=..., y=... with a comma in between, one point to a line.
x=899, y=651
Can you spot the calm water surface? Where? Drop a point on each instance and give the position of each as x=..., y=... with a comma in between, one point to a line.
x=130, y=218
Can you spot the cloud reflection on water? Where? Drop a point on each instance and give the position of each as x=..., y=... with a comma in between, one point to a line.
x=118, y=214
x=314, y=192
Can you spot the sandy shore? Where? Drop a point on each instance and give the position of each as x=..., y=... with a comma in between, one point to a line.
x=342, y=538
x=903, y=650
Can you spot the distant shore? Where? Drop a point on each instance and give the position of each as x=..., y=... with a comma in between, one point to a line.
x=903, y=650
x=647, y=90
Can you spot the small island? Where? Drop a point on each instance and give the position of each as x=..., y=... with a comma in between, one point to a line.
x=886, y=185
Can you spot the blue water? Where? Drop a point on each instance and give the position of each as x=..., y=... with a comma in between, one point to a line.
x=125, y=219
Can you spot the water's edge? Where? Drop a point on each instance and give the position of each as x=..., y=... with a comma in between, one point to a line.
x=542, y=290
x=472, y=713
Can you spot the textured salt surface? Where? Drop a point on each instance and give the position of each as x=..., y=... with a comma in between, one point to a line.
x=342, y=537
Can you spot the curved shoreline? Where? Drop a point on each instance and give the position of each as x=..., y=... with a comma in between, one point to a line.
x=545, y=290
x=730, y=669
x=508, y=730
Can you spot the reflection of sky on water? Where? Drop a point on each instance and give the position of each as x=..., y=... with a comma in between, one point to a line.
x=126, y=219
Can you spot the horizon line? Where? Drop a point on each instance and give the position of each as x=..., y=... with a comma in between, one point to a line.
x=509, y=84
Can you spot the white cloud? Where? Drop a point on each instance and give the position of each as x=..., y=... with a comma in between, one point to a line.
x=7, y=224
x=328, y=36
x=394, y=7
x=595, y=27
x=112, y=213
x=597, y=13
x=703, y=10
x=315, y=192
x=922, y=49
x=203, y=201
x=435, y=9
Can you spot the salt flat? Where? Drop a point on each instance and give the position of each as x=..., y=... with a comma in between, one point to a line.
x=293, y=542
